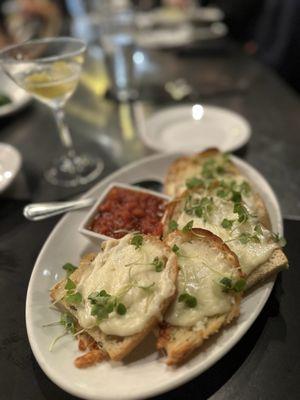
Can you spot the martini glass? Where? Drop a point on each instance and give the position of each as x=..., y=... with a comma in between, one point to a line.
x=49, y=69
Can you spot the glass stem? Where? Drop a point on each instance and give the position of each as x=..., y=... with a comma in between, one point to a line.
x=64, y=132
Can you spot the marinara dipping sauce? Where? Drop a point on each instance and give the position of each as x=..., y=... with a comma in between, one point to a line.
x=124, y=210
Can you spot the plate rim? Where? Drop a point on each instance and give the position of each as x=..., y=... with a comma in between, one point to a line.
x=152, y=120
x=15, y=106
x=172, y=384
x=19, y=160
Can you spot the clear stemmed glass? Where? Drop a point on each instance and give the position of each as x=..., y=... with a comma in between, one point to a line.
x=49, y=69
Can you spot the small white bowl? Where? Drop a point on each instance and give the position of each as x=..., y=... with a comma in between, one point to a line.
x=10, y=163
x=83, y=228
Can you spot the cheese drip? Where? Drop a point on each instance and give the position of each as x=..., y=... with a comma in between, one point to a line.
x=251, y=254
x=201, y=268
x=119, y=271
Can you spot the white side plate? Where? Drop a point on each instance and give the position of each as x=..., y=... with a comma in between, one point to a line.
x=19, y=98
x=143, y=373
x=10, y=163
x=195, y=127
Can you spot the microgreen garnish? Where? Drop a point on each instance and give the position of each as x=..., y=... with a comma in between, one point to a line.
x=121, y=309
x=243, y=214
x=227, y=223
x=209, y=169
x=206, y=205
x=232, y=190
x=175, y=249
x=245, y=238
x=229, y=285
x=194, y=183
x=173, y=225
x=188, y=227
x=68, y=323
x=279, y=239
x=236, y=197
x=201, y=208
x=188, y=207
x=258, y=229
x=245, y=188
x=212, y=168
x=220, y=170
x=103, y=304
x=69, y=268
x=70, y=285
x=188, y=300
x=222, y=193
x=72, y=297
x=158, y=264
x=137, y=241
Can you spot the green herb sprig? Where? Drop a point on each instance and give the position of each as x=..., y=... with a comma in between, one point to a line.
x=194, y=182
x=158, y=263
x=103, y=304
x=172, y=226
x=137, y=241
x=227, y=223
x=245, y=238
x=175, y=249
x=68, y=322
x=279, y=239
x=188, y=227
x=69, y=268
x=242, y=212
x=188, y=300
x=230, y=285
x=72, y=297
x=202, y=208
x=228, y=190
x=258, y=229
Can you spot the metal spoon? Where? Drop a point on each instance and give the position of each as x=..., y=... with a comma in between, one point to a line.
x=39, y=211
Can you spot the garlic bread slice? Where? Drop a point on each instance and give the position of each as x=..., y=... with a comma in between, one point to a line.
x=209, y=286
x=119, y=295
x=258, y=249
x=216, y=171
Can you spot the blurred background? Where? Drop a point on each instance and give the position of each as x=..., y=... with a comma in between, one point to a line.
x=147, y=56
x=267, y=29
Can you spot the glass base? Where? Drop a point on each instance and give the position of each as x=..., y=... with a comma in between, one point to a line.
x=125, y=95
x=73, y=170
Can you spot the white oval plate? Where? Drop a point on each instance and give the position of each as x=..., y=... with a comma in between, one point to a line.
x=164, y=17
x=143, y=373
x=10, y=163
x=195, y=127
x=19, y=98
x=165, y=38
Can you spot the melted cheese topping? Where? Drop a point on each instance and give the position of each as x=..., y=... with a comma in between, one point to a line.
x=194, y=169
x=251, y=254
x=110, y=271
x=199, y=274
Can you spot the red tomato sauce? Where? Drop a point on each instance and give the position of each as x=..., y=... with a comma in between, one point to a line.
x=124, y=210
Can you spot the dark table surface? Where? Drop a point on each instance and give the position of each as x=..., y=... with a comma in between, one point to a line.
x=265, y=364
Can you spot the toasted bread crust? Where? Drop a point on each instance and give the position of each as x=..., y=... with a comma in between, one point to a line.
x=277, y=262
x=116, y=348
x=180, y=170
x=185, y=167
x=210, y=238
x=179, y=342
